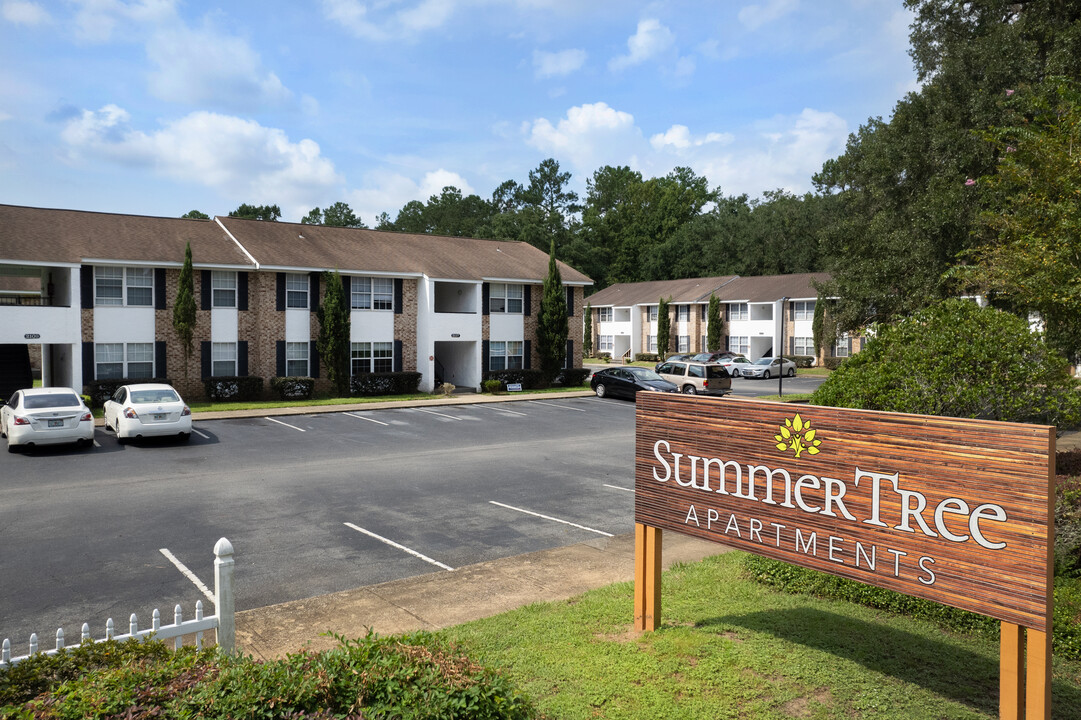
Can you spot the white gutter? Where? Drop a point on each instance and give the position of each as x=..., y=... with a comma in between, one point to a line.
x=242, y=248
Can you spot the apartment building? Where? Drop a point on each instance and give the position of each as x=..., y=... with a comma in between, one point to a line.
x=95, y=292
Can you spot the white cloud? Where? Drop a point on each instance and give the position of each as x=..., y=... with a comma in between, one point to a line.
x=201, y=66
x=386, y=191
x=679, y=137
x=95, y=20
x=19, y=12
x=755, y=16
x=240, y=158
x=380, y=20
x=651, y=39
x=555, y=64
x=589, y=136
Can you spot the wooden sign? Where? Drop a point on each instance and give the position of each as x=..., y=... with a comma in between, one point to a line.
x=952, y=510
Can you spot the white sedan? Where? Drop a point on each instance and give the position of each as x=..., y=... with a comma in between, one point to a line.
x=46, y=416
x=768, y=367
x=145, y=410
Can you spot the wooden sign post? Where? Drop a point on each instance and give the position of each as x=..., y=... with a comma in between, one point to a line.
x=952, y=510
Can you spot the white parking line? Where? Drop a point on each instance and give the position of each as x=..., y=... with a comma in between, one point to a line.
x=548, y=517
x=564, y=407
x=433, y=412
x=502, y=410
x=617, y=487
x=96, y=443
x=188, y=574
x=204, y=436
x=361, y=417
x=286, y=424
x=414, y=553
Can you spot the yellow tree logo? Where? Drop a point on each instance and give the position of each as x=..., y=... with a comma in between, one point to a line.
x=798, y=435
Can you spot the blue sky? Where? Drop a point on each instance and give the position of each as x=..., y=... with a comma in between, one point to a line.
x=157, y=107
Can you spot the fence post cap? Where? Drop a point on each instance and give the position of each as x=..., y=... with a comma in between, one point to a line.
x=223, y=548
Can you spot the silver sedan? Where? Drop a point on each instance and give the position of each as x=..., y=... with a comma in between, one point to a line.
x=767, y=367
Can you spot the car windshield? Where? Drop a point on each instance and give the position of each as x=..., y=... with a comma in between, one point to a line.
x=154, y=396
x=645, y=374
x=764, y=361
x=37, y=402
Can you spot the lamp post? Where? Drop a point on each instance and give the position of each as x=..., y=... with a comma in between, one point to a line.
x=780, y=370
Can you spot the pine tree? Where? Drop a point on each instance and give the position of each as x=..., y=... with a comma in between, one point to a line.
x=664, y=327
x=334, y=326
x=587, y=340
x=184, y=310
x=716, y=325
x=552, y=322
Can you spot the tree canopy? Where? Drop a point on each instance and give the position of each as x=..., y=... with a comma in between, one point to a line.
x=257, y=212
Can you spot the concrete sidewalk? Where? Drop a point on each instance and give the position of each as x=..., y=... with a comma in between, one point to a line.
x=438, y=600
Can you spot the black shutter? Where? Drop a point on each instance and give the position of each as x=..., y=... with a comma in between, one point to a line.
x=849, y=344
x=570, y=302
x=570, y=354
x=397, y=356
x=204, y=357
x=727, y=311
x=313, y=294
x=279, y=303
x=159, y=288
x=204, y=291
x=242, y=291
x=242, y=358
x=485, y=353
x=280, y=353
x=86, y=286
x=88, y=362
x=160, y=368
x=484, y=291
x=527, y=301
x=313, y=359
x=527, y=361
x=398, y=288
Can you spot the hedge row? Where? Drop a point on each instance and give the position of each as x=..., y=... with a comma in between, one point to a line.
x=240, y=388
x=389, y=383
x=101, y=390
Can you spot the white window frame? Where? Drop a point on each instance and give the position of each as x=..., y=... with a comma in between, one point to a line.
x=127, y=356
x=371, y=293
x=604, y=314
x=652, y=343
x=124, y=282
x=297, y=285
x=840, y=348
x=506, y=298
x=803, y=345
x=296, y=353
x=653, y=312
x=683, y=313
x=223, y=359
x=606, y=343
x=506, y=354
x=739, y=344
x=683, y=343
x=223, y=289
x=803, y=310
x=371, y=357
x=739, y=311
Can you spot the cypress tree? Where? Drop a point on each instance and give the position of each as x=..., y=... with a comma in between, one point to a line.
x=664, y=328
x=716, y=324
x=587, y=340
x=184, y=310
x=334, y=326
x=552, y=322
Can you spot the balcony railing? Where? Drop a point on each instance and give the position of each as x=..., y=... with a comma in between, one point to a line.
x=29, y=301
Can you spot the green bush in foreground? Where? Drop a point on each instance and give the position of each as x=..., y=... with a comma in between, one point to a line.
x=409, y=676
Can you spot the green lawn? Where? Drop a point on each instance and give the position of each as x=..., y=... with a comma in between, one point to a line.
x=730, y=648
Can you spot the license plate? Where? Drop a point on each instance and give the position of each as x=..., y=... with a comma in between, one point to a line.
x=161, y=417
x=56, y=423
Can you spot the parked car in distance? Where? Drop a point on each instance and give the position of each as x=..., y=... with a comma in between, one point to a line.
x=695, y=378
x=147, y=410
x=670, y=358
x=712, y=357
x=628, y=381
x=46, y=416
x=734, y=365
x=766, y=368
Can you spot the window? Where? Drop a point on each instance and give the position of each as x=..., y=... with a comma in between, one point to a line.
x=683, y=313
x=683, y=344
x=604, y=314
x=569, y=299
x=505, y=355
x=803, y=346
x=737, y=311
x=223, y=292
x=368, y=357
x=739, y=344
x=119, y=360
x=296, y=296
x=840, y=348
x=372, y=293
x=296, y=359
x=606, y=343
x=803, y=310
x=110, y=284
x=223, y=359
x=505, y=298
x=653, y=313
x=653, y=343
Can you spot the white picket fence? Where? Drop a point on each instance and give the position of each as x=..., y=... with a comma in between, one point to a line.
x=223, y=621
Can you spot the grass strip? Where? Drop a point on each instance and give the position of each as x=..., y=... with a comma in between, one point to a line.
x=731, y=648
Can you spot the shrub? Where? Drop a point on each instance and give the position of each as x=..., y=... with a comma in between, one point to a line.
x=530, y=379
x=492, y=386
x=101, y=390
x=390, y=383
x=248, y=387
x=293, y=388
x=802, y=361
x=957, y=359
x=573, y=377
x=1068, y=524
x=606, y=356
x=647, y=357
x=832, y=363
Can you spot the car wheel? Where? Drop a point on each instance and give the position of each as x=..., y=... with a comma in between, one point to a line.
x=185, y=437
x=791, y=372
x=121, y=440
x=13, y=448
x=600, y=390
x=765, y=375
x=689, y=390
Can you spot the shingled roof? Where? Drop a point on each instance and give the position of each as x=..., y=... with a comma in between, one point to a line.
x=727, y=288
x=42, y=235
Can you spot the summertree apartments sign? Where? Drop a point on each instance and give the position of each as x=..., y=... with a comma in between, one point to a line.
x=956, y=511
